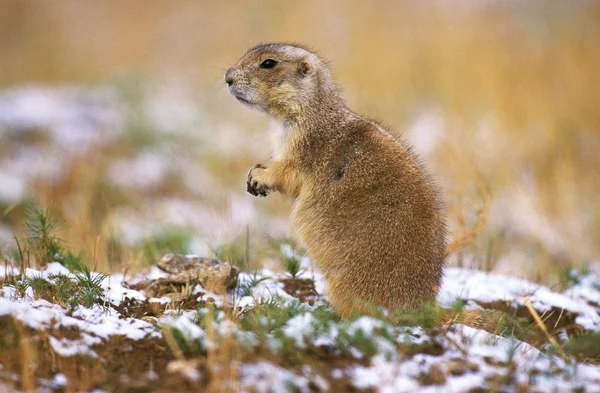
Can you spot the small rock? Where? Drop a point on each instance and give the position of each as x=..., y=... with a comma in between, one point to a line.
x=214, y=275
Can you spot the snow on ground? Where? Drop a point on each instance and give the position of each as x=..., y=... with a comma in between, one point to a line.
x=470, y=358
x=96, y=324
x=488, y=287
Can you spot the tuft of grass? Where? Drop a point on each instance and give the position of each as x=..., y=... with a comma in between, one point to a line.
x=20, y=286
x=289, y=252
x=585, y=348
x=41, y=238
x=570, y=276
x=270, y=314
x=66, y=289
x=169, y=240
x=90, y=286
x=237, y=252
x=291, y=265
x=358, y=339
x=43, y=243
x=40, y=286
x=428, y=317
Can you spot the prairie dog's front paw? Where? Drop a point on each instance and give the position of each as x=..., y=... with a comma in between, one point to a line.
x=256, y=185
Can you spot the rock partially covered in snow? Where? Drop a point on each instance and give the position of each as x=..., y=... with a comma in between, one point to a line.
x=214, y=275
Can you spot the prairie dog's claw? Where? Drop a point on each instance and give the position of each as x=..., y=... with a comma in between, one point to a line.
x=254, y=186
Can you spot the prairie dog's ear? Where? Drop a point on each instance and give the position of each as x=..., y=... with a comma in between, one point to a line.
x=304, y=68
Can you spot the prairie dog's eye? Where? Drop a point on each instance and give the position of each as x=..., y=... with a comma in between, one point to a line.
x=269, y=63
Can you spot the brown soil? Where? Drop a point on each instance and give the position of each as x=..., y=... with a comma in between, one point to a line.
x=301, y=288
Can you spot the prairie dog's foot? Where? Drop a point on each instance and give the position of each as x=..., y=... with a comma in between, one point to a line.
x=255, y=183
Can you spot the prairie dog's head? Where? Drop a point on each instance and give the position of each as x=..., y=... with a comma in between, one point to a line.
x=280, y=79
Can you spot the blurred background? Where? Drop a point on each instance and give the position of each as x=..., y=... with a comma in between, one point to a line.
x=114, y=115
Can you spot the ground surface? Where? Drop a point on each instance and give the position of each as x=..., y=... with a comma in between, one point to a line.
x=275, y=333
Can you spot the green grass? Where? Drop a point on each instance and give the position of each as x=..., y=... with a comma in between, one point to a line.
x=175, y=240
x=237, y=252
x=67, y=290
x=89, y=287
x=291, y=264
x=41, y=238
x=585, y=348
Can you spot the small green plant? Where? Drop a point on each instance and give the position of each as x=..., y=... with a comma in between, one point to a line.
x=291, y=265
x=356, y=338
x=290, y=254
x=90, y=286
x=43, y=243
x=88, y=296
x=41, y=238
x=323, y=315
x=66, y=290
x=585, y=348
x=90, y=280
x=570, y=276
x=20, y=286
x=271, y=314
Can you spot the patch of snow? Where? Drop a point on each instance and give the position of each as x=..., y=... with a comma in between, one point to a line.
x=587, y=289
x=265, y=377
x=65, y=347
x=186, y=326
x=59, y=380
x=366, y=324
x=161, y=300
x=116, y=292
x=477, y=348
x=8, y=270
x=299, y=327
x=488, y=287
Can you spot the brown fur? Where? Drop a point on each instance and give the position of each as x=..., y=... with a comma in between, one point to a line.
x=365, y=207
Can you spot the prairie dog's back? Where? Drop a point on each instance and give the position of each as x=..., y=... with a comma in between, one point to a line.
x=373, y=222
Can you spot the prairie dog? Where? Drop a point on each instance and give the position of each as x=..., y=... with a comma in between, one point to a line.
x=367, y=210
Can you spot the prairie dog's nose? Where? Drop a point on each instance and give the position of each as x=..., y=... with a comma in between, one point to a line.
x=229, y=76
